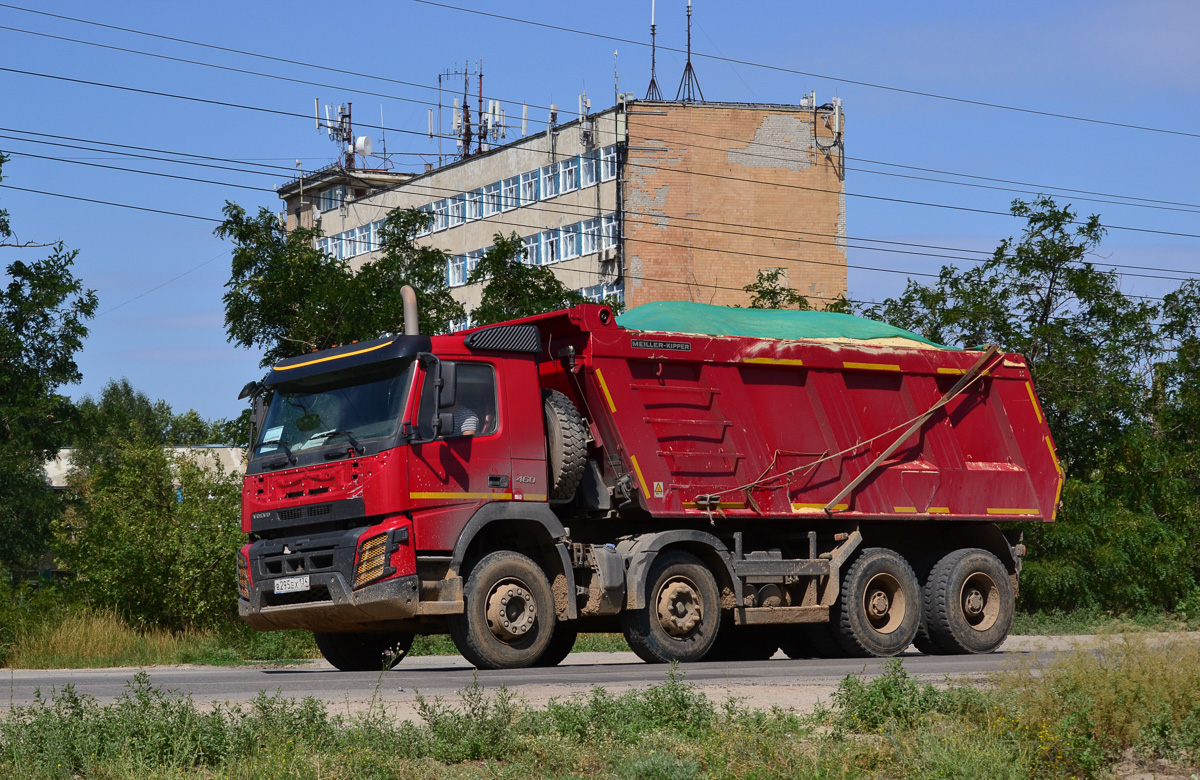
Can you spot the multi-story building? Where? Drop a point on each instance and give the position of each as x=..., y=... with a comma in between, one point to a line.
x=645, y=201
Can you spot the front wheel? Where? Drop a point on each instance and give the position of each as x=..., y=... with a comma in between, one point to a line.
x=682, y=613
x=509, y=619
x=363, y=652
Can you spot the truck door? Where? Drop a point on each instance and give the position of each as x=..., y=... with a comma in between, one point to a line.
x=465, y=465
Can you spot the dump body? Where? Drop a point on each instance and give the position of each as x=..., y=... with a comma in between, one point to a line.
x=777, y=429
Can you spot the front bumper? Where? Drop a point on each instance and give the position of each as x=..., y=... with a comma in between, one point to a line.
x=331, y=603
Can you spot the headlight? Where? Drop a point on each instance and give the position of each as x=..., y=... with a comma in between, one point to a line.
x=243, y=570
x=372, y=559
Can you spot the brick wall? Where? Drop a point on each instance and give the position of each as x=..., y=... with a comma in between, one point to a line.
x=702, y=206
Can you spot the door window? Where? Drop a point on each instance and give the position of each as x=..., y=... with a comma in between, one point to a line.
x=475, y=408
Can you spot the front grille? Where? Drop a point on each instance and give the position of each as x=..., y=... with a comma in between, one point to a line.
x=290, y=514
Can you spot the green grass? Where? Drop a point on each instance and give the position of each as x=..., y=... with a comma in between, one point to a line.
x=1075, y=716
x=1096, y=621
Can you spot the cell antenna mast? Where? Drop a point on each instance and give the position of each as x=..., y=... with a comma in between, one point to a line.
x=652, y=92
x=689, y=85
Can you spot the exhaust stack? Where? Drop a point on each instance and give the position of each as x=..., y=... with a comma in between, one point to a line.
x=409, y=296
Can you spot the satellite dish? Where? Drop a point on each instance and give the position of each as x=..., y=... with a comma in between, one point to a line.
x=362, y=145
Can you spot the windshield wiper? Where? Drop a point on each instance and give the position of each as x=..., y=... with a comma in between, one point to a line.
x=291, y=459
x=350, y=436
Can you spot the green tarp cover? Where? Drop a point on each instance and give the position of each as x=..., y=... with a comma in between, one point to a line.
x=702, y=318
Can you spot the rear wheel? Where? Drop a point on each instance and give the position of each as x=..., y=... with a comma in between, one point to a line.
x=878, y=612
x=968, y=602
x=682, y=615
x=363, y=652
x=509, y=617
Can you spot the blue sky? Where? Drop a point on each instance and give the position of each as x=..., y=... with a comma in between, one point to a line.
x=1132, y=63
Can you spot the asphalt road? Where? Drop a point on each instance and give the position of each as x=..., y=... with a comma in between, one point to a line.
x=779, y=681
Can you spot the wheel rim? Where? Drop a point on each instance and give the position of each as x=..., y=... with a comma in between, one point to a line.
x=980, y=601
x=680, y=610
x=511, y=610
x=884, y=603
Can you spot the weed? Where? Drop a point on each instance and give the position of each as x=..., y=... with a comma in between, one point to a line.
x=895, y=698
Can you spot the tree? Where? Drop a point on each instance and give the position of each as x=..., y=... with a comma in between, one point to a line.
x=513, y=288
x=287, y=297
x=1117, y=379
x=43, y=308
x=770, y=290
x=149, y=532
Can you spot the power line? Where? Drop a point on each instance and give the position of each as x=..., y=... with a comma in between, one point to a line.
x=781, y=69
x=164, y=284
x=880, y=198
x=144, y=173
x=427, y=103
x=513, y=224
x=109, y=203
x=583, y=211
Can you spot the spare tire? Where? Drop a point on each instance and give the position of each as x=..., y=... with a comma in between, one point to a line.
x=566, y=445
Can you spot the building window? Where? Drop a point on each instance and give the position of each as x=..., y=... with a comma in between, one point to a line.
x=331, y=197
x=568, y=174
x=511, y=193
x=608, y=163
x=463, y=324
x=609, y=231
x=491, y=199
x=473, y=259
x=589, y=237
x=456, y=210
x=533, y=254
x=570, y=241
x=456, y=271
x=427, y=228
x=529, y=187
x=587, y=169
x=549, y=181
x=602, y=292
x=550, y=247
x=441, y=215
x=474, y=205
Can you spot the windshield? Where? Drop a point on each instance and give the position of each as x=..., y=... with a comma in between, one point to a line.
x=365, y=403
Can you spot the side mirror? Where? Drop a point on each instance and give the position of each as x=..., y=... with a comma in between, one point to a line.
x=448, y=384
x=251, y=388
x=443, y=424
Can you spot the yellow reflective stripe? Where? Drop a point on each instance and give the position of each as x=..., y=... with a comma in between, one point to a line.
x=721, y=505
x=607, y=396
x=535, y=496
x=994, y=511
x=908, y=510
x=1033, y=399
x=938, y=510
x=818, y=507
x=1054, y=456
x=952, y=370
x=499, y=496
x=911, y=510
x=775, y=361
x=638, y=470
x=873, y=366
x=333, y=357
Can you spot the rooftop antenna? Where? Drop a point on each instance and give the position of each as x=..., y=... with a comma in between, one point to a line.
x=689, y=85
x=616, y=81
x=652, y=92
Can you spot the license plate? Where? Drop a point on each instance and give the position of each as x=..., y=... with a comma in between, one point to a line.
x=292, y=584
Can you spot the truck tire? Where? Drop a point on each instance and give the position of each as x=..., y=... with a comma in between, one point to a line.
x=682, y=615
x=566, y=444
x=968, y=602
x=509, y=619
x=363, y=652
x=560, y=645
x=878, y=611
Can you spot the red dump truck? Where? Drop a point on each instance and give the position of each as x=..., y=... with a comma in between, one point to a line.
x=714, y=483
